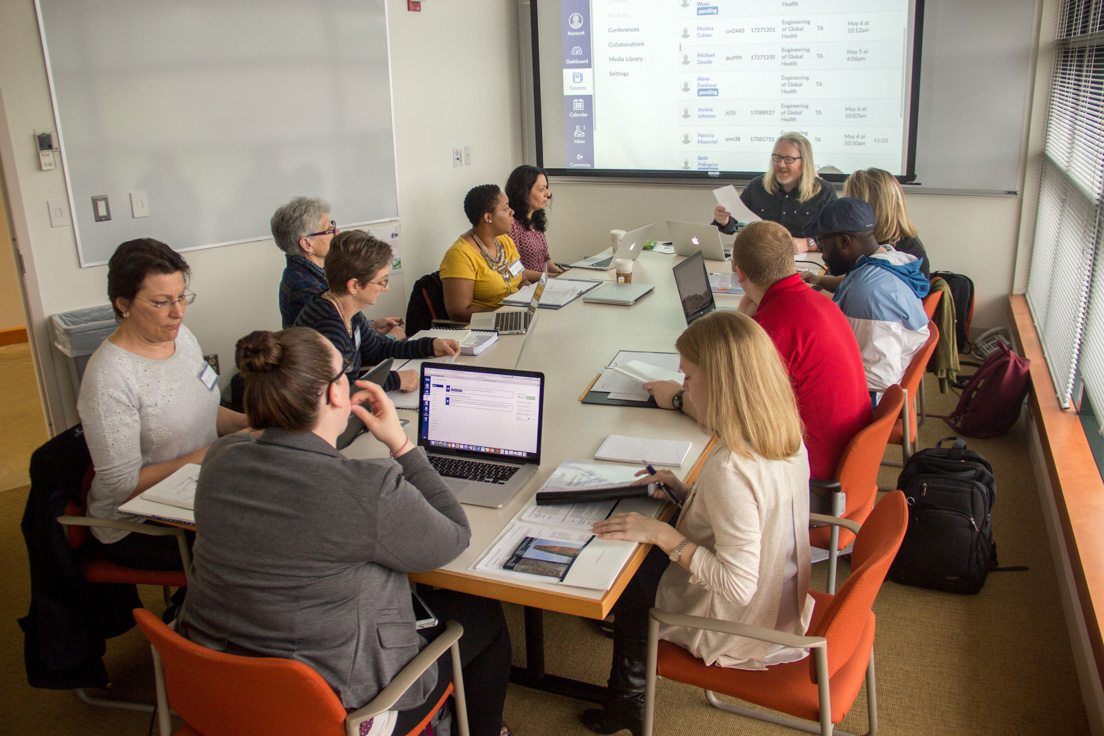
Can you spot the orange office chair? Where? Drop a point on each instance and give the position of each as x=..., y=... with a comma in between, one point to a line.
x=219, y=694
x=841, y=635
x=931, y=303
x=856, y=482
x=98, y=569
x=905, y=431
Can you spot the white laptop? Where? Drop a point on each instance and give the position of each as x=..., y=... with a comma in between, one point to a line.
x=481, y=428
x=692, y=281
x=623, y=295
x=630, y=247
x=691, y=237
x=511, y=321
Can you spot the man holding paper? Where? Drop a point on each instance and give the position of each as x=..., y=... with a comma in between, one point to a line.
x=789, y=193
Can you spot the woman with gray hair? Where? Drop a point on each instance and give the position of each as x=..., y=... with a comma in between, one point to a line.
x=303, y=229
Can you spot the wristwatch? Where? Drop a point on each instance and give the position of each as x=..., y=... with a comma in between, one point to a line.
x=676, y=553
x=676, y=400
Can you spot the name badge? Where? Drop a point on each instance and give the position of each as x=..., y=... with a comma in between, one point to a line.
x=516, y=268
x=356, y=339
x=208, y=376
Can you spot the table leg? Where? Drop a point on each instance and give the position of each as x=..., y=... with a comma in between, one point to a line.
x=533, y=674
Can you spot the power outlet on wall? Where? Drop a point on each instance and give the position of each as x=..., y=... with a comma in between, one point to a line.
x=457, y=157
x=212, y=360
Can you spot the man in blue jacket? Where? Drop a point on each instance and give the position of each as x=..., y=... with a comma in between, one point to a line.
x=881, y=293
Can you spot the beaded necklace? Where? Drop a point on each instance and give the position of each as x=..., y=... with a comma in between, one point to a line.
x=497, y=263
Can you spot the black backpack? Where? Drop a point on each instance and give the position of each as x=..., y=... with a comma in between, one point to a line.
x=949, y=541
x=962, y=293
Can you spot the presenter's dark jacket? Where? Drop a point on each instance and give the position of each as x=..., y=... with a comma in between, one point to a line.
x=782, y=207
x=304, y=554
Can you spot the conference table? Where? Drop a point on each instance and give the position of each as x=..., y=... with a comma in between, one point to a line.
x=571, y=346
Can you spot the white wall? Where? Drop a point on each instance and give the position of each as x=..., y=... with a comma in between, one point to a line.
x=973, y=235
x=454, y=69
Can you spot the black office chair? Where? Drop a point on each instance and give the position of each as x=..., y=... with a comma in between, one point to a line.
x=426, y=307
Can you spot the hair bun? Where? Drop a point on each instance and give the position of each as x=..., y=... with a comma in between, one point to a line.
x=258, y=352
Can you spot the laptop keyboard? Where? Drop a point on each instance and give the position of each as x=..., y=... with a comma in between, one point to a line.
x=604, y=263
x=510, y=321
x=451, y=467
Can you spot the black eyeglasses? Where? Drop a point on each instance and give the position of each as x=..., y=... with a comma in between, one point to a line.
x=328, y=231
x=344, y=369
x=788, y=159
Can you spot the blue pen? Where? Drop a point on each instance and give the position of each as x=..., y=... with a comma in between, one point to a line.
x=669, y=493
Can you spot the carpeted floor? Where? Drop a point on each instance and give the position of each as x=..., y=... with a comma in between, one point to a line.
x=995, y=663
x=22, y=426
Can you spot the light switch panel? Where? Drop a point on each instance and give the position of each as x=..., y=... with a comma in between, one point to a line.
x=139, y=206
x=59, y=212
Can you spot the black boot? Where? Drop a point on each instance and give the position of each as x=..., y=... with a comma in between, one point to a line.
x=624, y=707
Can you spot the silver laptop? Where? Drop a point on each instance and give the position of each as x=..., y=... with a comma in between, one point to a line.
x=481, y=428
x=691, y=237
x=619, y=294
x=630, y=247
x=692, y=281
x=511, y=321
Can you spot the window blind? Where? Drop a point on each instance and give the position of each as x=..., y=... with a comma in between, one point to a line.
x=1066, y=281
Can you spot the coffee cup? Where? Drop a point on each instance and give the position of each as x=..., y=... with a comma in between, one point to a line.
x=615, y=238
x=623, y=267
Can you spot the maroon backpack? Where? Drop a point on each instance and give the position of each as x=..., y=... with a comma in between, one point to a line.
x=992, y=399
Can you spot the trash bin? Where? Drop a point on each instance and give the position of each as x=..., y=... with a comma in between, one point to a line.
x=78, y=333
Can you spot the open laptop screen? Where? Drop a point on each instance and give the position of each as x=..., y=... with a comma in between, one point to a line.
x=475, y=411
x=692, y=281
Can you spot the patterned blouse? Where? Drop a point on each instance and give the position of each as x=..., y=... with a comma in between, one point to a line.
x=532, y=246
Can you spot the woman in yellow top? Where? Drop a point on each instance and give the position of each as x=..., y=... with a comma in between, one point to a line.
x=482, y=267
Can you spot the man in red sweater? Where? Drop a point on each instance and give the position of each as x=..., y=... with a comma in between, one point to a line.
x=815, y=341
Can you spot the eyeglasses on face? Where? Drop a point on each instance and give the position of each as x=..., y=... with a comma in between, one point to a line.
x=344, y=369
x=788, y=159
x=186, y=298
x=382, y=283
x=328, y=231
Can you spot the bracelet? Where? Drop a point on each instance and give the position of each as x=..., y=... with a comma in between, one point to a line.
x=404, y=444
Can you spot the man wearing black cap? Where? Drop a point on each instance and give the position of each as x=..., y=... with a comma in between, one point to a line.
x=880, y=295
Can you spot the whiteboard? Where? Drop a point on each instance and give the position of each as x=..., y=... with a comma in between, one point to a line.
x=975, y=93
x=220, y=112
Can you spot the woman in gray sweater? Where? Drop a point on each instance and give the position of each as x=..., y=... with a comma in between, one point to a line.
x=304, y=554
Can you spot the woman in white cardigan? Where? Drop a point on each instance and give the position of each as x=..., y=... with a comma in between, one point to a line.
x=739, y=549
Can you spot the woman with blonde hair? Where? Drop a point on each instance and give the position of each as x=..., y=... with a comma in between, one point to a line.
x=789, y=193
x=739, y=549
x=892, y=226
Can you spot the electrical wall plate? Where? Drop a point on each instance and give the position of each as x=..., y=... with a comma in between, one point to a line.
x=101, y=210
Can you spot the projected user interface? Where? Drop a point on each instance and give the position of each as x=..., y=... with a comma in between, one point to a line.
x=481, y=412
x=708, y=85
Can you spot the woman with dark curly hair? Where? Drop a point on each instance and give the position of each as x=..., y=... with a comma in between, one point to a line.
x=527, y=190
x=483, y=267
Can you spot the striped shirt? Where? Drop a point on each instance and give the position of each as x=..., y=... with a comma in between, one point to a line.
x=365, y=347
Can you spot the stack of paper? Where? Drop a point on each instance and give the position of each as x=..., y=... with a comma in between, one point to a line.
x=554, y=544
x=176, y=490
x=472, y=342
x=621, y=449
x=557, y=293
x=619, y=385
